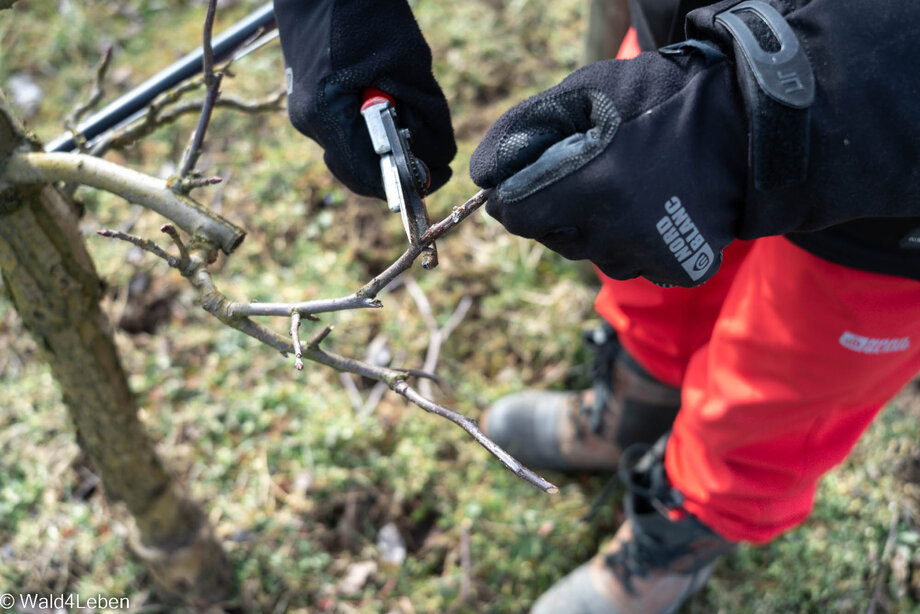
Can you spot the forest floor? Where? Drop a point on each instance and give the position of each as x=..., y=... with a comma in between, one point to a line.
x=313, y=489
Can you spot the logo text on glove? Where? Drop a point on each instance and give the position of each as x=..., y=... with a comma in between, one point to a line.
x=684, y=240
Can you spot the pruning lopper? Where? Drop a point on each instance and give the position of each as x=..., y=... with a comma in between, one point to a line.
x=405, y=178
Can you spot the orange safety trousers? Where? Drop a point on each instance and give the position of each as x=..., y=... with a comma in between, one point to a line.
x=783, y=360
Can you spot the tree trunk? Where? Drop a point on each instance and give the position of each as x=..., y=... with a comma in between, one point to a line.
x=55, y=289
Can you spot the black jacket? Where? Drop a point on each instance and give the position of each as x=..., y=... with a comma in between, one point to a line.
x=859, y=202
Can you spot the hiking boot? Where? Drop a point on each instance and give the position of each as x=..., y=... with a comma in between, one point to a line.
x=658, y=558
x=587, y=430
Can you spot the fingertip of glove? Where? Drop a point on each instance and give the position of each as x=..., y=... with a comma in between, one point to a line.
x=481, y=173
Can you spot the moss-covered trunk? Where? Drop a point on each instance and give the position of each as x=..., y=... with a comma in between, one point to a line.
x=56, y=291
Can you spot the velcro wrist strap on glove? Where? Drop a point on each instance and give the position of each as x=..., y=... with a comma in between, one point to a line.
x=862, y=126
x=778, y=87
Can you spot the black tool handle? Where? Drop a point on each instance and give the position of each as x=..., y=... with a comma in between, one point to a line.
x=127, y=105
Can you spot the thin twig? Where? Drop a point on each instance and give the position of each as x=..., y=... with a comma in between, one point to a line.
x=373, y=287
x=272, y=102
x=190, y=159
x=466, y=566
x=885, y=563
x=366, y=296
x=212, y=82
x=166, y=110
x=98, y=89
x=184, y=256
x=295, y=339
x=469, y=425
x=207, y=56
x=437, y=335
x=144, y=244
x=319, y=337
x=304, y=308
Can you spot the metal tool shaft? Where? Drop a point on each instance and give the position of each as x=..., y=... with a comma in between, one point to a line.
x=138, y=98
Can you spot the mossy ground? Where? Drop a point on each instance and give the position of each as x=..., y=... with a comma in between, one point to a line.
x=296, y=481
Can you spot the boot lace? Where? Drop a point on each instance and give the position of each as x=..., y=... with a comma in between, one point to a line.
x=590, y=416
x=657, y=540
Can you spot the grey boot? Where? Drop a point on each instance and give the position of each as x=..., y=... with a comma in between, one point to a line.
x=654, y=562
x=587, y=430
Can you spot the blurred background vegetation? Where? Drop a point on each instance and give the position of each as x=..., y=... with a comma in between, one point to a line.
x=304, y=485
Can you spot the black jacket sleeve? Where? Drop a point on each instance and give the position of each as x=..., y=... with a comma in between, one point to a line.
x=771, y=118
x=889, y=245
x=862, y=139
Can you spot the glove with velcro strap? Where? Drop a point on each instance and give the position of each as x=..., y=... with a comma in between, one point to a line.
x=638, y=165
x=773, y=118
x=333, y=51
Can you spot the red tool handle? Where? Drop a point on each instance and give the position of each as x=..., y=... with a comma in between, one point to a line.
x=372, y=96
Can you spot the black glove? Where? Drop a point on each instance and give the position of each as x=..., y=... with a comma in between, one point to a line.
x=333, y=50
x=808, y=121
x=638, y=165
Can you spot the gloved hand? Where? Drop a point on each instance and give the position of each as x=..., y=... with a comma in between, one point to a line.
x=637, y=165
x=333, y=50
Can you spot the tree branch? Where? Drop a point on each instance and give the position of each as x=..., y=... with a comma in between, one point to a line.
x=135, y=187
x=437, y=335
x=295, y=339
x=212, y=82
x=305, y=307
x=469, y=425
x=373, y=287
x=366, y=296
x=145, y=244
x=166, y=110
x=228, y=312
x=98, y=90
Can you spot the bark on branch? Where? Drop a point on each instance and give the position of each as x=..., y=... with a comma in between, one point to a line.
x=135, y=187
x=237, y=315
x=366, y=296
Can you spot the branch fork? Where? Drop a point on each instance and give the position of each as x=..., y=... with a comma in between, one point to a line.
x=192, y=263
